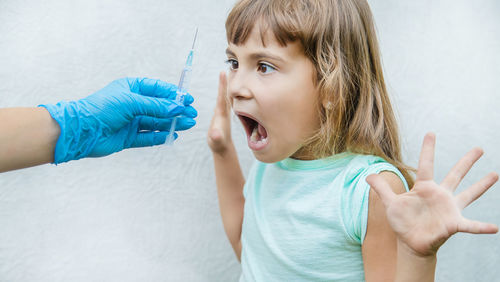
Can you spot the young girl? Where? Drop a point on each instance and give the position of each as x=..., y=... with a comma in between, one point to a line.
x=306, y=82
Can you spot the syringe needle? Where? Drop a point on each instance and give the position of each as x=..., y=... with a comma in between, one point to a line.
x=195, y=35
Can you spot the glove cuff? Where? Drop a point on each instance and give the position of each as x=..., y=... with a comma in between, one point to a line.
x=78, y=136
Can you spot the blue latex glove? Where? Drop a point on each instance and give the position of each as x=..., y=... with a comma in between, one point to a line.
x=127, y=113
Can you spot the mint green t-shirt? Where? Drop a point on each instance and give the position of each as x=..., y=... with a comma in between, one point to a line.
x=306, y=220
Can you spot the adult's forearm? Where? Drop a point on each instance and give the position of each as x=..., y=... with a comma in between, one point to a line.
x=411, y=267
x=28, y=137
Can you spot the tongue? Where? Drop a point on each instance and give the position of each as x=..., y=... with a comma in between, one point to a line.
x=262, y=132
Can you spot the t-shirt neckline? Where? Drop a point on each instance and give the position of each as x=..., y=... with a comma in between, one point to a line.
x=336, y=160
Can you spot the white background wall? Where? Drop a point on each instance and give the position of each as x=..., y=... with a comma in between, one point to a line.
x=151, y=214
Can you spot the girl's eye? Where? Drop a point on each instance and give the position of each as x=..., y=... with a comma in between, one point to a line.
x=233, y=64
x=266, y=68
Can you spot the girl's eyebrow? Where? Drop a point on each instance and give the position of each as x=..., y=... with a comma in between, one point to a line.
x=230, y=53
x=258, y=55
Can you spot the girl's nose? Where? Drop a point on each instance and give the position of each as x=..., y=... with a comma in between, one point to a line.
x=237, y=86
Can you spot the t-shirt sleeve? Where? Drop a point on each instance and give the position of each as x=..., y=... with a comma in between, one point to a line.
x=355, y=197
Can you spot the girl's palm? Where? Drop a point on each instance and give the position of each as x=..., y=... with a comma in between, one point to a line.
x=429, y=214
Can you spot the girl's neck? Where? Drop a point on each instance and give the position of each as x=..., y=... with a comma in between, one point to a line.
x=303, y=154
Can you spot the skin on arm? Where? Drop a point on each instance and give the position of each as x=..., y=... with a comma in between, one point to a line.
x=229, y=177
x=379, y=247
x=28, y=137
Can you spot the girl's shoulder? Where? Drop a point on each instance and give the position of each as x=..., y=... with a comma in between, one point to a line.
x=354, y=193
x=363, y=165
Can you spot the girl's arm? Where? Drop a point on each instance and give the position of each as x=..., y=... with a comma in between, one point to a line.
x=229, y=177
x=379, y=247
x=424, y=218
x=28, y=137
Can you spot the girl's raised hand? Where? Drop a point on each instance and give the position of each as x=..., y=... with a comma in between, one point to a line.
x=426, y=216
x=219, y=133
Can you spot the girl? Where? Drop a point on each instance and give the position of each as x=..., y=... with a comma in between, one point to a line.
x=306, y=82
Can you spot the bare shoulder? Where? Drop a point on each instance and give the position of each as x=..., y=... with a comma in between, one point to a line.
x=394, y=181
x=376, y=209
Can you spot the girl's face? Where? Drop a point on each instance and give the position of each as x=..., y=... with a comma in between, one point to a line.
x=272, y=92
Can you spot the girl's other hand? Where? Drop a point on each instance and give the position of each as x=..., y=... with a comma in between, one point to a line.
x=426, y=216
x=219, y=133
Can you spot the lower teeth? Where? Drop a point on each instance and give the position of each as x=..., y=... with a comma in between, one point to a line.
x=254, y=135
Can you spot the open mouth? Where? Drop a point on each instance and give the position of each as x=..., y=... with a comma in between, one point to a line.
x=256, y=132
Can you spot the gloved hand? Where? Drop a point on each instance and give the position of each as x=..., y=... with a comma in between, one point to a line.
x=129, y=112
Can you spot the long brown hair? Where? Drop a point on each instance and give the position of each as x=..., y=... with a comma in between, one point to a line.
x=339, y=37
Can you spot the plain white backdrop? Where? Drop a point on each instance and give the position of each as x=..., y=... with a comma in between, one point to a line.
x=151, y=214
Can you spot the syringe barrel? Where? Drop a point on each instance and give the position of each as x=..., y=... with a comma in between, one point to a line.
x=183, y=83
x=182, y=90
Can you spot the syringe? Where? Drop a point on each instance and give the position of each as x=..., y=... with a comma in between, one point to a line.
x=182, y=87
